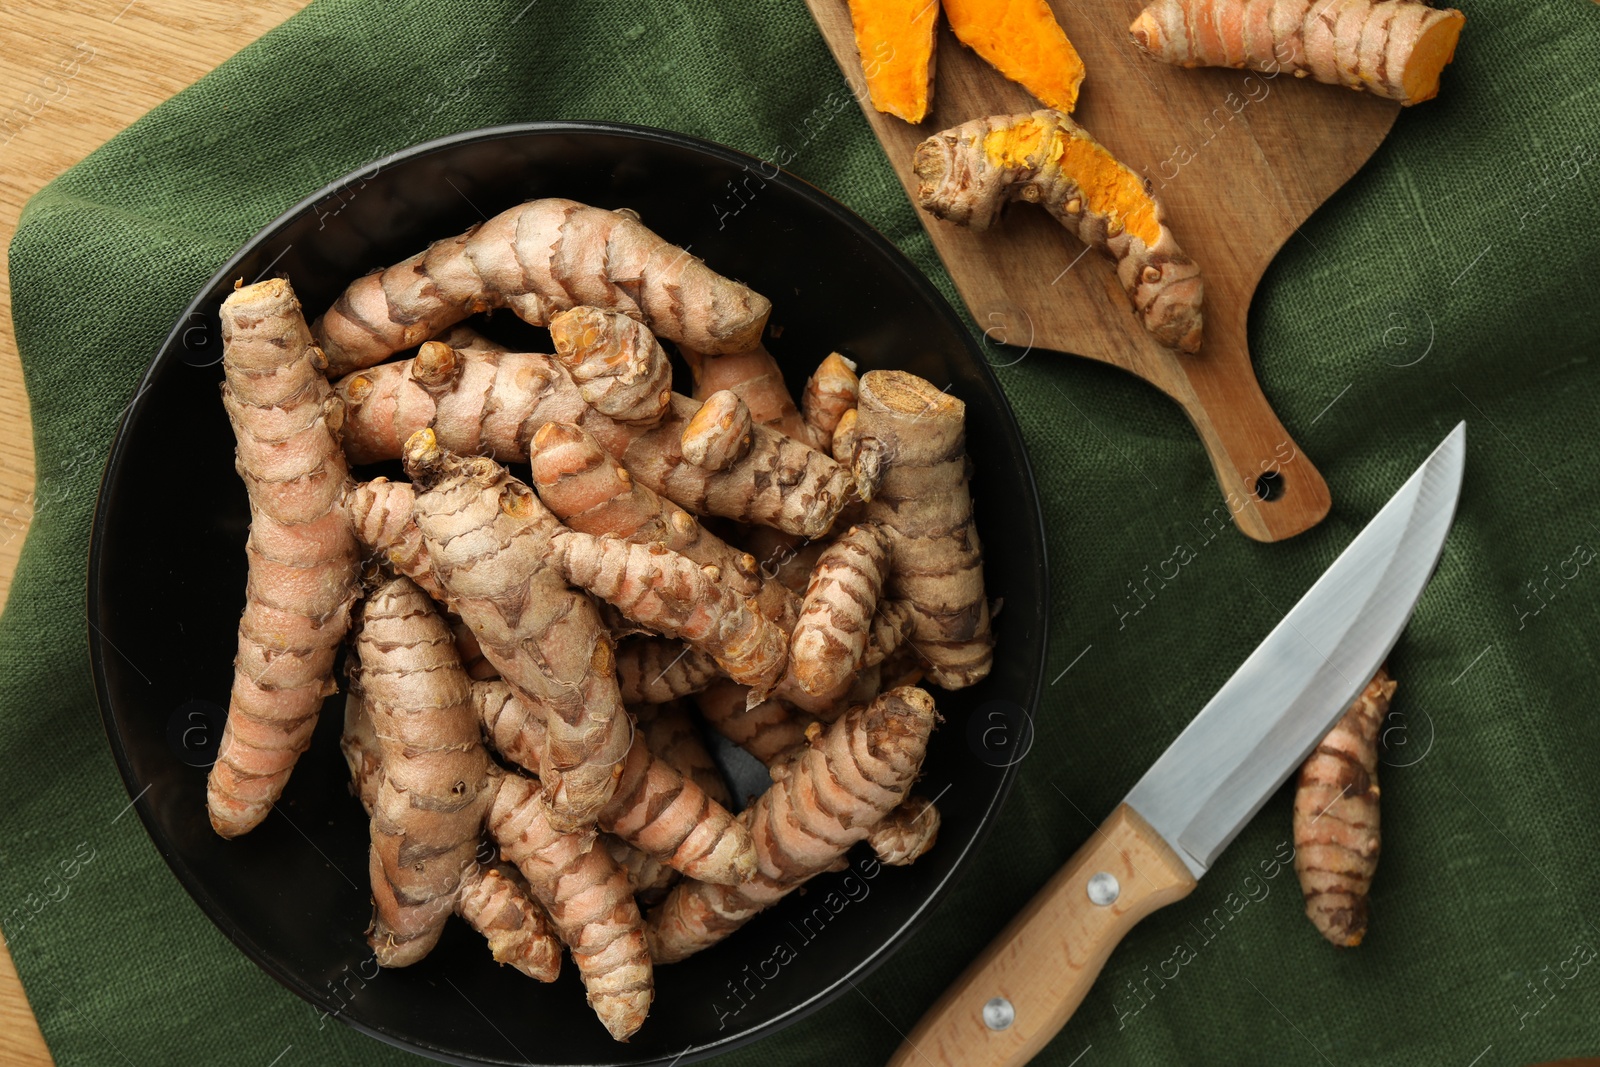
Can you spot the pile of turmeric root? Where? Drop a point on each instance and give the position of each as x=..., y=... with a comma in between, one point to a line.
x=1394, y=49
x=526, y=648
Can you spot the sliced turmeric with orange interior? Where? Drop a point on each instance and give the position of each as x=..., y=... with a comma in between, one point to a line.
x=895, y=39
x=969, y=173
x=1022, y=40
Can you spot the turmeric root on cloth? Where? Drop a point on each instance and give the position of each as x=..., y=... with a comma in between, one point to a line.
x=490, y=542
x=589, y=899
x=918, y=433
x=539, y=258
x=493, y=898
x=434, y=790
x=1395, y=49
x=896, y=41
x=303, y=557
x=823, y=800
x=967, y=174
x=670, y=732
x=655, y=809
x=1336, y=837
x=1022, y=40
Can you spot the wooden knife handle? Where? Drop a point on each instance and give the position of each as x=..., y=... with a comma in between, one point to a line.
x=1044, y=962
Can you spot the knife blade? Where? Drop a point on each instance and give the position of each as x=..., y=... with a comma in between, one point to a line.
x=1197, y=796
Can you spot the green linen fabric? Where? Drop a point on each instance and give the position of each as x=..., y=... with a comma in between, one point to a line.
x=1450, y=279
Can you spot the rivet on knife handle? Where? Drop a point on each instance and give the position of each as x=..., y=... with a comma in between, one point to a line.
x=1025, y=986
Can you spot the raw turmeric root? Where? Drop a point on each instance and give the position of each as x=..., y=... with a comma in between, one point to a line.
x=1336, y=836
x=906, y=833
x=539, y=258
x=719, y=434
x=490, y=542
x=826, y=798
x=492, y=897
x=471, y=653
x=379, y=512
x=359, y=743
x=592, y=493
x=589, y=900
x=754, y=377
x=1395, y=49
x=830, y=639
x=505, y=562
x=671, y=734
x=477, y=402
x=492, y=403
x=303, y=557
x=829, y=393
x=896, y=41
x=655, y=670
x=649, y=877
x=925, y=505
x=435, y=790
x=969, y=173
x=767, y=731
x=618, y=364
x=675, y=597
x=496, y=901
x=1022, y=40
x=655, y=809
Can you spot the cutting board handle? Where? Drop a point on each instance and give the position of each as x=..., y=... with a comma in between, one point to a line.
x=1270, y=487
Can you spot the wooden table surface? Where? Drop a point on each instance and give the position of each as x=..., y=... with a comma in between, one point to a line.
x=72, y=73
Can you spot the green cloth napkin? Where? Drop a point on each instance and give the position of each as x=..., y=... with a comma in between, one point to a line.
x=1453, y=278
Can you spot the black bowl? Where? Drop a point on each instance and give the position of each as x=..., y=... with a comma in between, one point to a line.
x=166, y=596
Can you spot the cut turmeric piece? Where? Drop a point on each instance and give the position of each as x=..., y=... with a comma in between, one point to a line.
x=967, y=174
x=895, y=39
x=1395, y=49
x=1022, y=40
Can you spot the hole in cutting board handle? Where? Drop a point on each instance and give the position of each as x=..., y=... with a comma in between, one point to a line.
x=1269, y=486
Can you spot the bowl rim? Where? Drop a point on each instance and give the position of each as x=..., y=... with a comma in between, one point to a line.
x=169, y=350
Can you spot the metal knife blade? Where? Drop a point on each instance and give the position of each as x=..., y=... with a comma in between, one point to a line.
x=1293, y=688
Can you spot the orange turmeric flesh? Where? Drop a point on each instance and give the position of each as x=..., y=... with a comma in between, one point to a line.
x=895, y=39
x=1022, y=40
x=1107, y=187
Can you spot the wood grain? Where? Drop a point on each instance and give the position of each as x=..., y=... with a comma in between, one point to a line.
x=1048, y=957
x=1238, y=159
x=72, y=73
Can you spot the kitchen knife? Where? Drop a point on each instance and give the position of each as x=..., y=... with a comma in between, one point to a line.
x=1198, y=795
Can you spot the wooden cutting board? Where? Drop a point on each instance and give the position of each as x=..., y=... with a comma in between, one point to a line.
x=1239, y=160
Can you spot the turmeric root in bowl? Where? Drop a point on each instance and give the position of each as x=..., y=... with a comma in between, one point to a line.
x=704, y=503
